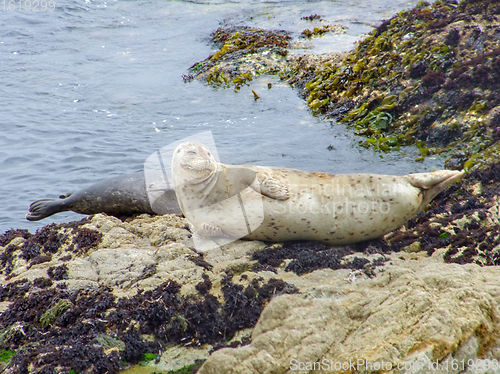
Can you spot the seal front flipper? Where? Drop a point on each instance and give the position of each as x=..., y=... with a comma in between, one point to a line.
x=273, y=188
x=211, y=231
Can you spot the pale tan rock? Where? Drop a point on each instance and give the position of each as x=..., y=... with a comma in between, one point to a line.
x=413, y=306
x=176, y=357
x=4, y=305
x=120, y=266
x=171, y=251
x=103, y=223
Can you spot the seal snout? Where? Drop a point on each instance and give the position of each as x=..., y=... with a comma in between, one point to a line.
x=195, y=157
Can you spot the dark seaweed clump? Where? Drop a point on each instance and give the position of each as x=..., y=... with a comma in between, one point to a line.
x=247, y=37
x=39, y=247
x=7, y=237
x=312, y=17
x=243, y=306
x=58, y=272
x=55, y=330
x=309, y=256
x=14, y=290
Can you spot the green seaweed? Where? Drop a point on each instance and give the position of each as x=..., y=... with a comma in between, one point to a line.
x=484, y=159
x=49, y=317
x=148, y=357
x=242, y=79
x=188, y=369
x=320, y=31
x=5, y=355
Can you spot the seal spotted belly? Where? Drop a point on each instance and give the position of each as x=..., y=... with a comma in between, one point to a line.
x=124, y=195
x=293, y=204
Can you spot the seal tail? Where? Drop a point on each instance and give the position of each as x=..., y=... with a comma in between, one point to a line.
x=433, y=183
x=44, y=208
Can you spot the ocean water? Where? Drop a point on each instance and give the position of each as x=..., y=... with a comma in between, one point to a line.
x=92, y=88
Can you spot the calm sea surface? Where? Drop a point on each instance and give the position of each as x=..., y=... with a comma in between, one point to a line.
x=91, y=89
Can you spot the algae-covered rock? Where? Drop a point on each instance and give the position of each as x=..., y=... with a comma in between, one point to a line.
x=247, y=52
x=244, y=53
x=428, y=76
x=110, y=293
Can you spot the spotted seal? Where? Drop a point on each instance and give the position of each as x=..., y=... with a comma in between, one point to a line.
x=119, y=196
x=279, y=204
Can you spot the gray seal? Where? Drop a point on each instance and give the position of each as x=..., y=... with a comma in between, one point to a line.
x=280, y=204
x=124, y=195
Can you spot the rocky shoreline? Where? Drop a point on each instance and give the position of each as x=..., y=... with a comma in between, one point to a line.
x=102, y=294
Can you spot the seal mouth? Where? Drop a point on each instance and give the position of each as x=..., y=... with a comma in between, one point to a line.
x=198, y=170
x=199, y=166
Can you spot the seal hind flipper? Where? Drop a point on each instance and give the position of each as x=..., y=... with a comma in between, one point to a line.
x=123, y=195
x=433, y=183
x=43, y=208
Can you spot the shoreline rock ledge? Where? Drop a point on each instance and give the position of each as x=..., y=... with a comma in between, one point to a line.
x=415, y=313
x=101, y=294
